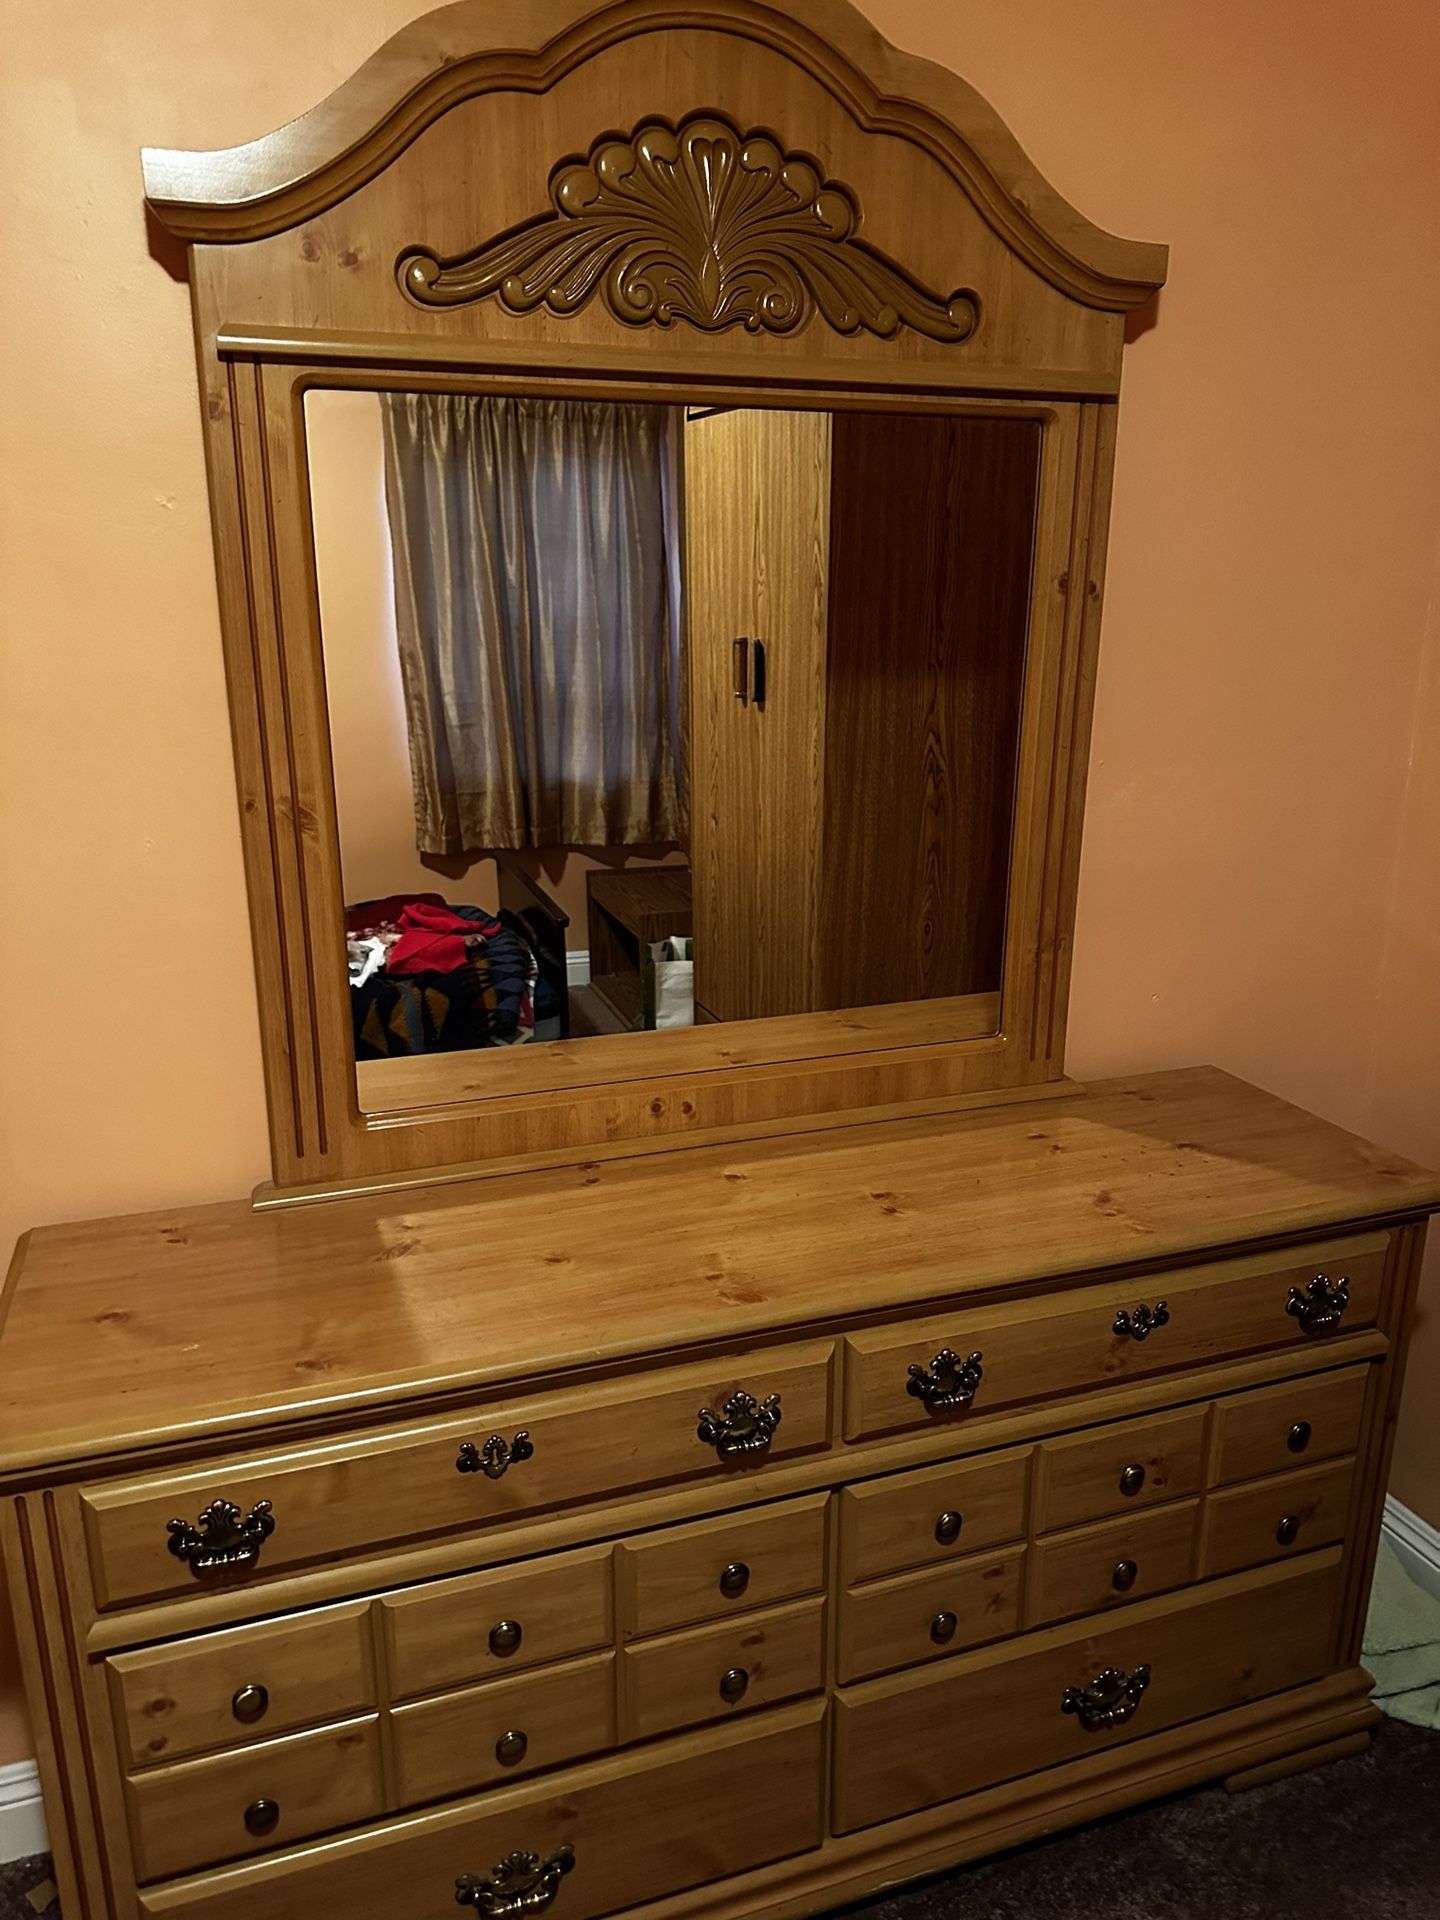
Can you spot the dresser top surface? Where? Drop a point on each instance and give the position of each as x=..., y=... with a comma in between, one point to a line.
x=219, y=1320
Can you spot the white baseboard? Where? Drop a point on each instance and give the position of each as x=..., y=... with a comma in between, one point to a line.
x=577, y=969
x=22, y=1818
x=1416, y=1544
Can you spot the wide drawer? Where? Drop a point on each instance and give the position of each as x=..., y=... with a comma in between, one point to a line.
x=260, y=1798
x=406, y=1484
x=926, y=1615
x=1120, y=1468
x=684, y=1813
x=1289, y=1425
x=973, y=1362
x=1276, y=1518
x=1113, y=1563
x=937, y=1514
x=242, y=1685
x=920, y=1738
x=681, y=1575
x=706, y=1673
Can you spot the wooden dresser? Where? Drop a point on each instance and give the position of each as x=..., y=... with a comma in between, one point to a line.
x=729, y=1532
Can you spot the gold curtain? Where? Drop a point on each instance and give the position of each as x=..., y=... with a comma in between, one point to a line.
x=536, y=601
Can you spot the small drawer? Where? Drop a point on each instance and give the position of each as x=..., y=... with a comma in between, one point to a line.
x=1113, y=1563
x=1272, y=1519
x=940, y=1513
x=250, y=1683
x=479, y=1626
x=1007, y=1712
x=683, y=1575
x=926, y=1615
x=1117, y=1469
x=706, y=1672
x=978, y=1361
x=1299, y=1421
x=460, y=1742
x=248, y=1518
x=631, y=1829
x=204, y=1811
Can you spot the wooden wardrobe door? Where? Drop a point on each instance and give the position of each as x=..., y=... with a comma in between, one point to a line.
x=757, y=500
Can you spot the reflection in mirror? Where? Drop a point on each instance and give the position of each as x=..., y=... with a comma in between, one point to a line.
x=650, y=716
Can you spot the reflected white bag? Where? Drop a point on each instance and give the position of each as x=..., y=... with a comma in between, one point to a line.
x=670, y=983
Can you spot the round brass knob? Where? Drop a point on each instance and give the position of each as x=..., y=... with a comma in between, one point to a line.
x=1123, y=1578
x=735, y=1579
x=942, y=1628
x=262, y=1816
x=511, y=1748
x=249, y=1704
x=505, y=1636
x=733, y=1684
x=1298, y=1437
x=947, y=1527
x=1288, y=1530
x=1132, y=1479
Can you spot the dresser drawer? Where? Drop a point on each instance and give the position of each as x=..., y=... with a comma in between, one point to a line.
x=263, y=1797
x=1067, y=1343
x=462, y=1741
x=920, y=1738
x=401, y=1485
x=940, y=1513
x=1119, y=1468
x=1313, y=1418
x=222, y=1689
x=926, y=1615
x=705, y=1673
x=1114, y=1562
x=1277, y=1518
x=685, y=1813
x=483, y=1625
x=682, y=1575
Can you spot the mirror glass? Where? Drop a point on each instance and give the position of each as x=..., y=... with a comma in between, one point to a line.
x=649, y=717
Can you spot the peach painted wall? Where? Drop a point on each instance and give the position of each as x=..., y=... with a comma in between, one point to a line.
x=1263, y=789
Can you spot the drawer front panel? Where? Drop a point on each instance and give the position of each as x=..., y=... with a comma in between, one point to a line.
x=1114, y=1563
x=685, y=1814
x=201, y=1811
x=716, y=1568
x=1119, y=1469
x=333, y=1500
x=1300, y=1421
x=243, y=1685
x=928, y=1615
x=504, y=1730
x=681, y=1680
x=486, y=1625
x=1276, y=1519
x=1070, y=1343
x=941, y=1513
x=917, y=1739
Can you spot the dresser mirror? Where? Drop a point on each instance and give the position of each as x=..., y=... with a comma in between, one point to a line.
x=648, y=715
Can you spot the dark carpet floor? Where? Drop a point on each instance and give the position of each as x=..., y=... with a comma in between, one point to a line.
x=1359, y=1838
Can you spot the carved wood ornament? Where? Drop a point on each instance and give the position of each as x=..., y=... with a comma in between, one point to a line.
x=698, y=222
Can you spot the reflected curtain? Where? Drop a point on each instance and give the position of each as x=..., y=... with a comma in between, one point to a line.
x=536, y=574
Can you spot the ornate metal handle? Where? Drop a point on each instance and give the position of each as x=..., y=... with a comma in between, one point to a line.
x=496, y=1456
x=520, y=1883
x=746, y=1426
x=223, y=1540
x=1319, y=1307
x=947, y=1382
x=1143, y=1322
x=1107, y=1701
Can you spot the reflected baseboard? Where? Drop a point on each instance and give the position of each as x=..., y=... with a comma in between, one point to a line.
x=22, y=1813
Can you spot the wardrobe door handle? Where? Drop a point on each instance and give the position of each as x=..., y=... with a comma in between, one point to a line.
x=740, y=670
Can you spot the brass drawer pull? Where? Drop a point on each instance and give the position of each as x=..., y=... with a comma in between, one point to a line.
x=224, y=1540
x=747, y=1425
x=1124, y=1576
x=1143, y=1322
x=1132, y=1479
x=497, y=1455
x=262, y=1816
x=512, y=1747
x=1319, y=1307
x=520, y=1883
x=947, y=1528
x=1288, y=1531
x=942, y=1628
x=735, y=1579
x=1298, y=1437
x=947, y=1382
x=250, y=1704
x=734, y=1685
x=1107, y=1701
x=505, y=1636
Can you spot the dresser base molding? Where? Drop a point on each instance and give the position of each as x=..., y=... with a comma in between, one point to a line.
x=1345, y=1747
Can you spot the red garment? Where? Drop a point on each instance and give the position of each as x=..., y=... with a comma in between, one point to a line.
x=434, y=940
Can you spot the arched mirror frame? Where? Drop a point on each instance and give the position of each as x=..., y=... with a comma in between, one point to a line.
x=450, y=140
